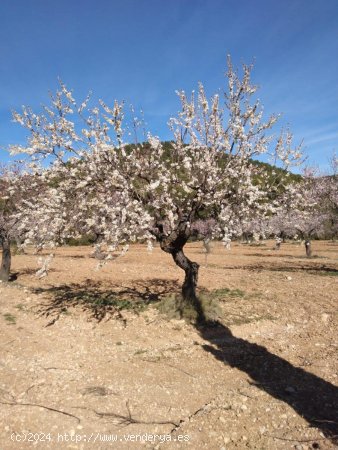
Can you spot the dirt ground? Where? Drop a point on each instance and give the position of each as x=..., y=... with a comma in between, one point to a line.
x=76, y=374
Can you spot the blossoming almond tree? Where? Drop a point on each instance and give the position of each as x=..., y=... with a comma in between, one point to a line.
x=311, y=212
x=17, y=185
x=331, y=195
x=149, y=191
x=6, y=225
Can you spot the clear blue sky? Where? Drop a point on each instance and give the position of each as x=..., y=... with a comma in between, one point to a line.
x=143, y=50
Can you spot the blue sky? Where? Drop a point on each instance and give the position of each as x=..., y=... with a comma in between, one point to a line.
x=144, y=50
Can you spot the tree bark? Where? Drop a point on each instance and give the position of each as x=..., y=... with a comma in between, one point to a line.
x=5, y=266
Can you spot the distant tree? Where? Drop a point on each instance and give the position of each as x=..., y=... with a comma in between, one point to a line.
x=306, y=213
x=205, y=229
x=16, y=187
x=329, y=189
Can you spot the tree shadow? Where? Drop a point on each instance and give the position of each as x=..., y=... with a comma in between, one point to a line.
x=15, y=275
x=285, y=255
x=313, y=398
x=28, y=271
x=274, y=255
x=73, y=256
x=271, y=267
x=104, y=302
x=314, y=270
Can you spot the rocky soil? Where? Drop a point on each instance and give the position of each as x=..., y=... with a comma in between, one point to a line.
x=88, y=361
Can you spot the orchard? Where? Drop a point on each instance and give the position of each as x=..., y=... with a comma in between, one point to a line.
x=228, y=198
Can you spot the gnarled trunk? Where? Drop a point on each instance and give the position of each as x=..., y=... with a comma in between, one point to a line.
x=191, y=275
x=5, y=266
x=174, y=245
x=189, y=286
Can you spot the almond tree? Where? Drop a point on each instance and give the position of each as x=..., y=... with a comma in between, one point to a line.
x=16, y=185
x=311, y=212
x=6, y=225
x=148, y=191
x=204, y=229
x=330, y=190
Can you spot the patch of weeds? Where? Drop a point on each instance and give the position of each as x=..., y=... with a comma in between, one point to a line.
x=175, y=308
x=111, y=299
x=140, y=352
x=327, y=273
x=211, y=307
x=253, y=295
x=173, y=349
x=241, y=319
x=225, y=292
x=20, y=307
x=10, y=319
x=153, y=358
x=96, y=390
x=170, y=306
x=267, y=316
x=309, y=258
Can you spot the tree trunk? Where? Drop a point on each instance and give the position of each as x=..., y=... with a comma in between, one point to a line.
x=5, y=266
x=191, y=275
x=207, y=248
x=174, y=244
x=190, y=283
x=308, y=248
x=206, y=245
x=19, y=249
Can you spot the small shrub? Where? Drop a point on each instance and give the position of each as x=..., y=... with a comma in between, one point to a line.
x=20, y=307
x=112, y=299
x=174, y=308
x=226, y=292
x=76, y=242
x=327, y=273
x=140, y=352
x=10, y=318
